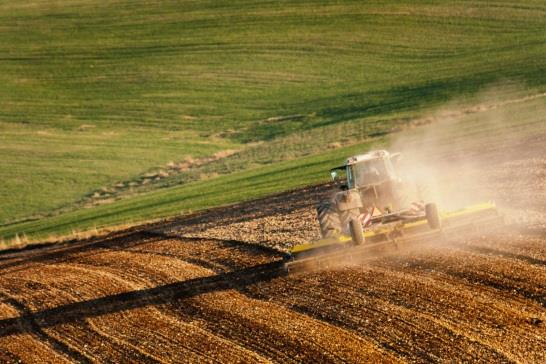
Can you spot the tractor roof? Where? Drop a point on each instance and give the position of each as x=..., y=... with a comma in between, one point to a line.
x=374, y=154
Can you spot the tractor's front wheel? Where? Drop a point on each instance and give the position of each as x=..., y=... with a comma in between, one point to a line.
x=357, y=234
x=330, y=224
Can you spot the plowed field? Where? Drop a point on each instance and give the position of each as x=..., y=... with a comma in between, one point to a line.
x=210, y=288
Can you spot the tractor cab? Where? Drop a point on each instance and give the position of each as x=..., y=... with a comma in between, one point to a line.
x=368, y=169
x=370, y=181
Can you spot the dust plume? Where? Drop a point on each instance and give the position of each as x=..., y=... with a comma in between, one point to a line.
x=494, y=150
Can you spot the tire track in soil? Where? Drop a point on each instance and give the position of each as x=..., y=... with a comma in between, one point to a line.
x=225, y=268
x=184, y=316
x=209, y=313
x=193, y=346
x=304, y=339
x=32, y=326
x=205, y=313
x=84, y=334
x=81, y=341
x=506, y=275
x=98, y=345
x=159, y=279
x=396, y=329
x=482, y=315
x=512, y=318
x=131, y=321
x=242, y=290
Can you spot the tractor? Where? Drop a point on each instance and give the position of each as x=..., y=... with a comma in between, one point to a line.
x=372, y=193
x=375, y=207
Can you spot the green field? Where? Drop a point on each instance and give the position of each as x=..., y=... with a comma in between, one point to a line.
x=95, y=93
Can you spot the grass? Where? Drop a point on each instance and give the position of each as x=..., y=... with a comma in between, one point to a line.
x=93, y=93
x=45, y=168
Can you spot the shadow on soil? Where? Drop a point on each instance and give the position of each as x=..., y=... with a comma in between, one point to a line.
x=168, y=293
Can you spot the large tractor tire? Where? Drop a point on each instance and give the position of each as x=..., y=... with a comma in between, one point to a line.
x=433, y=217
x=346, y=217
x=330, y=225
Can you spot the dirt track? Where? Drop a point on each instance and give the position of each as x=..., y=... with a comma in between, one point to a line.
x=210, y=287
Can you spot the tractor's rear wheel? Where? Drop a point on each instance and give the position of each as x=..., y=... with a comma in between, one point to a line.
x=330, y=224
x=433, y=217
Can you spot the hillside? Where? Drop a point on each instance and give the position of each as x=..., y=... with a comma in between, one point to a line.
x=161, y=164
x=94, y=94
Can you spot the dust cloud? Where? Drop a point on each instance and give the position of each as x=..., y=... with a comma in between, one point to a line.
x=494, y=151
